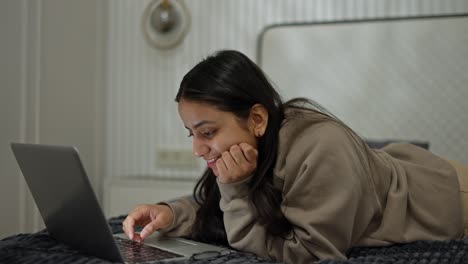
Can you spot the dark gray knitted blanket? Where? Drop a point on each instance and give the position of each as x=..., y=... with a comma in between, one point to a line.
x=41, y=248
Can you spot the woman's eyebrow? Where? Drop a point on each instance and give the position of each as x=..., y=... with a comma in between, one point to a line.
x=201, y=123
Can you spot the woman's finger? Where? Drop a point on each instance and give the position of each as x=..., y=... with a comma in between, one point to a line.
x=237, y=154
x=250, y=152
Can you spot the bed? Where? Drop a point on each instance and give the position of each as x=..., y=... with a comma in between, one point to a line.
x=40, y=248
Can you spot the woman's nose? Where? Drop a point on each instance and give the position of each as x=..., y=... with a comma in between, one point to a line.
x=199, y=148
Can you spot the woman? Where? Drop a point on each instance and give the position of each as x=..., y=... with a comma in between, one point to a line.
x=290, y=182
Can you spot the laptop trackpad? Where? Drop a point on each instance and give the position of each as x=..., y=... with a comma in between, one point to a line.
x=166, y=242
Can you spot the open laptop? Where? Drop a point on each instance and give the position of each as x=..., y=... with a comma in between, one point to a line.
x=72, y=215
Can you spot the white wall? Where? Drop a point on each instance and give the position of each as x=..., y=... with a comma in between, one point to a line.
x=142, y=81
x=10, y=126
x=51, y=92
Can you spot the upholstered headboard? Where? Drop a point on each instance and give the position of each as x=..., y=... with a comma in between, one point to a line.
x=395, y=78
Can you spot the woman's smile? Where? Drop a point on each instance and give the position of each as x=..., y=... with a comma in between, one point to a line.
x=211, y=162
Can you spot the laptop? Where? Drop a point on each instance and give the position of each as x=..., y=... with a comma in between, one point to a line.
x=60, y=187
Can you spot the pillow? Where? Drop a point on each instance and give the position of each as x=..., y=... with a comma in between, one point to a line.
x=382, y=143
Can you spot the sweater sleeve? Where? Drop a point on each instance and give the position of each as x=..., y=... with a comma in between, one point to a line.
x=323, y=199
x=185, y=210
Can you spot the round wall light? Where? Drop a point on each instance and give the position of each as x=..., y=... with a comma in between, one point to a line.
x=165, y=23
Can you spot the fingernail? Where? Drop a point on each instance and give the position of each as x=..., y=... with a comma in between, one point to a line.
x=143, y=234
x=131, y=236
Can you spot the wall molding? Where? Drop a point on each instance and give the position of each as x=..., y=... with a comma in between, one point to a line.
x=29, y=217
x=100, y=96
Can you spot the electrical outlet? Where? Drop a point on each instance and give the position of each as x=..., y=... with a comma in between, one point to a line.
x=176, y=159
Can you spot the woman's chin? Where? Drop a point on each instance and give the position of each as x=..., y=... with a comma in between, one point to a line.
x=214, y=170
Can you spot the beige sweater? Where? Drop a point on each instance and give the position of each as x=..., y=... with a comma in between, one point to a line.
x=402, y=194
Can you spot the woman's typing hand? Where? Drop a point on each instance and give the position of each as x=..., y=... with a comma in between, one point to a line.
x=149, y=216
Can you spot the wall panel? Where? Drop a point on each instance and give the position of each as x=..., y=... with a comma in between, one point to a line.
x=142, y=81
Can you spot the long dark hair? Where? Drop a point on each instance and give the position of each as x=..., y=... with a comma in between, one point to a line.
x=230, y=81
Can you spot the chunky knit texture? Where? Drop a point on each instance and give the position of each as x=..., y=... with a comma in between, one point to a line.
x=41, y=248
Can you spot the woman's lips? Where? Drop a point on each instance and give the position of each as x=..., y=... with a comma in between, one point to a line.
x=211, y=163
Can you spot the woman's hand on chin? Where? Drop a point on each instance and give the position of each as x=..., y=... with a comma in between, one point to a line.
x=237, y=163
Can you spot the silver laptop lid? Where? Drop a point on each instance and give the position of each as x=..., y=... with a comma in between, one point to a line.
x=65, y=198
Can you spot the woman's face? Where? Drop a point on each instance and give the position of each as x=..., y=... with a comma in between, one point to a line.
x=214, y=131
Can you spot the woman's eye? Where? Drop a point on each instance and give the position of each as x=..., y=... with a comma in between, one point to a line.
x=208, y=133
x=190, y=134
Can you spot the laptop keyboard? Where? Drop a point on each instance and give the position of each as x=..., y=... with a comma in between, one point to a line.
x=134, y=252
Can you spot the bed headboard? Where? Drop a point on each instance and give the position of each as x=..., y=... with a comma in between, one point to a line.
x=395, y=78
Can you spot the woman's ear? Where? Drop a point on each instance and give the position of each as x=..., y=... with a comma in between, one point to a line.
x=258, y=119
